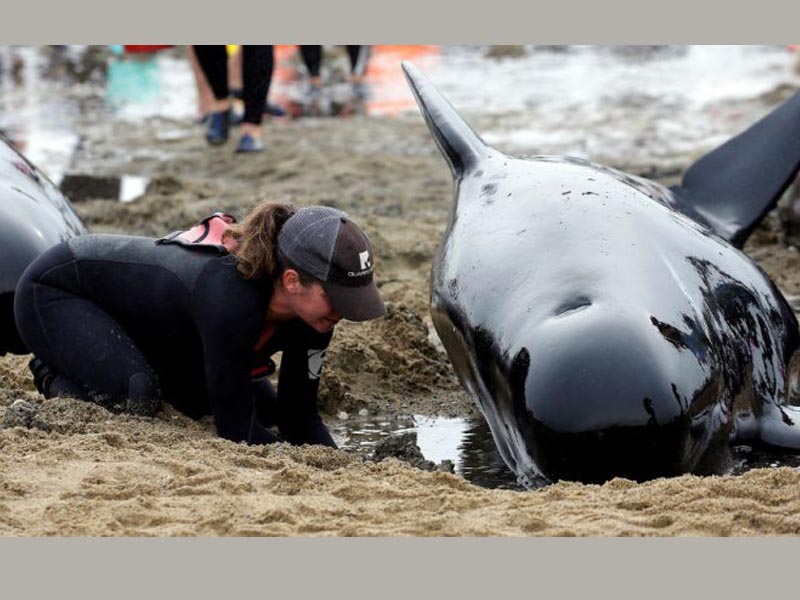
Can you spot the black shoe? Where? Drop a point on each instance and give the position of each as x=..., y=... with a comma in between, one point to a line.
x=51, y=384
x=217, y=127
x=42, y=375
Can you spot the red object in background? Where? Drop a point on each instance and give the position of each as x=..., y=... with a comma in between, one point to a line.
x=139, y=49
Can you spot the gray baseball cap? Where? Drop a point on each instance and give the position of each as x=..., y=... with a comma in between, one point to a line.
x=326, y=244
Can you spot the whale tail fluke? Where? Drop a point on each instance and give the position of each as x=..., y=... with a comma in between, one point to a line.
x=460, y=145
x=734, y=186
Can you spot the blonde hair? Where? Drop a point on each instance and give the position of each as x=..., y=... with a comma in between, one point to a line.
x=256, y=240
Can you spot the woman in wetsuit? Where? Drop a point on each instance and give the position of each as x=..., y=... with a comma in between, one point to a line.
x=193, y=318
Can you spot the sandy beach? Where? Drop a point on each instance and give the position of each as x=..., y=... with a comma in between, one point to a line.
x=78, y=469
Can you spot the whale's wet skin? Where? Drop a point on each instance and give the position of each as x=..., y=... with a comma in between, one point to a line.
x=33, y=216
x=606, y=325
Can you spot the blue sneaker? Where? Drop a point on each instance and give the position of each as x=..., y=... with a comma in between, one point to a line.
x=217, y=127
x=249, y=144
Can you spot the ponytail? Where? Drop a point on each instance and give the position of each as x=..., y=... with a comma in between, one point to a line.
x=256, y=240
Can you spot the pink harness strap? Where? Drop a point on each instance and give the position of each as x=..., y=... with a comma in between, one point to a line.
x=208, y=233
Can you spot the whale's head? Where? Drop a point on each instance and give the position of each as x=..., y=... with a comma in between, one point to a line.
x=590, y=395
x=585, y=386
x=587, y=317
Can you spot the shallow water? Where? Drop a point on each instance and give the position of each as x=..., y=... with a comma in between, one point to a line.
x=613, y=101
x=589, y=97
x=746, y=458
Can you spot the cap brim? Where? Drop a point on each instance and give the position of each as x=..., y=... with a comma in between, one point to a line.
x=356, y=303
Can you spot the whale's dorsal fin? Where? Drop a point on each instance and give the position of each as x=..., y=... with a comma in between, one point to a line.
x=460, y=145
x=735, y=185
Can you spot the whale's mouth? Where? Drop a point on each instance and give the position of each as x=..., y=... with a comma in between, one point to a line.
x=640, y=453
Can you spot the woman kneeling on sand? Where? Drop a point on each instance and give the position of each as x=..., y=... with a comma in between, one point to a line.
x=193, y=318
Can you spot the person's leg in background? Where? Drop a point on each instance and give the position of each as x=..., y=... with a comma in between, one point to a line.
x=312, y=59
x=314, y=101
x=214, y=63
x=205, y=97
x=235, y=82
x=358, y=66
x=257, y=66
x=235, y=70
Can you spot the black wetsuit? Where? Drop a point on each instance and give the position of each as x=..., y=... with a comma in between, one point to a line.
x=127, y=318
x=257, y=66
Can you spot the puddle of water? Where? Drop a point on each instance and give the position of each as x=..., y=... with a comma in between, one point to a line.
x=746, y=458
x=468, y=443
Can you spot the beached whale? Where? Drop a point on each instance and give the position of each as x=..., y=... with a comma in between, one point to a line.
x=34, y=215
x=606, y=325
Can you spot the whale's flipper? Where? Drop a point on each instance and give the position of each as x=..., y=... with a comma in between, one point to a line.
x=735, y=185
x=780, y=427
x=460, y=145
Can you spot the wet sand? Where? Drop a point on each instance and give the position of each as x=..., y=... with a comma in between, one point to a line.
x=86, y=471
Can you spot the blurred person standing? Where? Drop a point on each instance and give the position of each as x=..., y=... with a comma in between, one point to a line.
x=312, y=58
x=257, y=66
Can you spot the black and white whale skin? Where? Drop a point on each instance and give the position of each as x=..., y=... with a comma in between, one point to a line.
x=608, y=326
x=34, y=216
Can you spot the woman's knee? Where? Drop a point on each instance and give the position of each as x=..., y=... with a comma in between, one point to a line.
x=144, y=395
